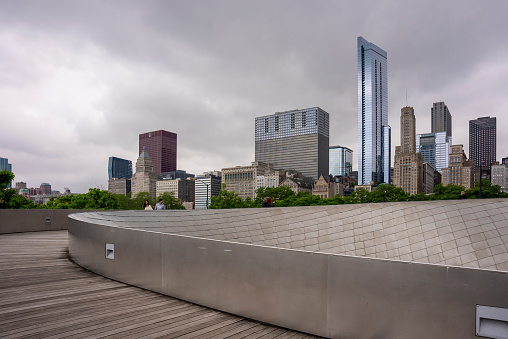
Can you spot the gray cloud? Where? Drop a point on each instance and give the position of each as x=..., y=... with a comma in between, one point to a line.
x=80, y=81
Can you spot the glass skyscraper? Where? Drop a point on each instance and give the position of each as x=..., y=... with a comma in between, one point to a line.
x=341, y=161
x=119, y=168
x=374, y=134
x=435, y=149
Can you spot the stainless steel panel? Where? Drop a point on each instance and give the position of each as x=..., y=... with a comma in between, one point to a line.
x=323, y=294
x=137, y=254
x=14, y=221
x=386, y=299
x=282, y=287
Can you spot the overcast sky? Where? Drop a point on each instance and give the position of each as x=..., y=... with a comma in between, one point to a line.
x=80, y=80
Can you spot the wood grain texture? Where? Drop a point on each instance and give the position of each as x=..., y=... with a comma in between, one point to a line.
x=44, y=295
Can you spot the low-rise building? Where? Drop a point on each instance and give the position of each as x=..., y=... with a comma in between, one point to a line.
x=499, y=176
x=297, y=185
x=243, y=179
x=325, y=188
x=119, y=186
x=182, y=188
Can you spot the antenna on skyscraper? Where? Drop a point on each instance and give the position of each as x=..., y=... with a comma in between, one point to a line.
x=406, y=99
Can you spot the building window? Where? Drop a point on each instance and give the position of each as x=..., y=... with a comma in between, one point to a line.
x=304, y=120
x=277, y=123
x=293, y=120
x=266, y=125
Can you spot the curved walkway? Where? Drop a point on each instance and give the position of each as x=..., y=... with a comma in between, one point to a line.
x=44, y=295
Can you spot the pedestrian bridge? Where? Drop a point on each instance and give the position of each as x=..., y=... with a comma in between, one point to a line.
x=436, y=269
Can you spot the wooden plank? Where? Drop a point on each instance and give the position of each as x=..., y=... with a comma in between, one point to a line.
x=44, y=295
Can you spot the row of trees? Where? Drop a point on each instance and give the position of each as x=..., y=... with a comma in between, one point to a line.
x=99, y=199
x=283, y=196
x=95, y=198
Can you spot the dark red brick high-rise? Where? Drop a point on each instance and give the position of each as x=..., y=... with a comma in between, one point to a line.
x=161, y=147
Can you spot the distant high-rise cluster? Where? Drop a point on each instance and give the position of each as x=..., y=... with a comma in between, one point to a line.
x=374, y=133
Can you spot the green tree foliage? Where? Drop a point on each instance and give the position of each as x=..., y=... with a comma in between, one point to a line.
x=301, y=199
x=360, y=196
x=93, y=200
x=385, y=193
x=139, y=199
x=227, y=199
x=6, y=193
x=9, y=198
x=170, y=201
x=447, y=192
x=488, y=191
x=275, y=193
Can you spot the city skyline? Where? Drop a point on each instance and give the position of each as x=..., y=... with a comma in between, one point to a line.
x=104, y=74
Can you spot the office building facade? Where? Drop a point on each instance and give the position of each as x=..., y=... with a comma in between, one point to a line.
x=183, y=189
x=341, y=161
x=499, y=176
x=242, y=179
x=294, y=140
x=460, y=171
x=482, y=141
x=434, y=148
x=119, y=168
x=441, y=119
x=120, y=186
x=374, y=133
x=408, y=164
x=207, y=186
x=161, y=147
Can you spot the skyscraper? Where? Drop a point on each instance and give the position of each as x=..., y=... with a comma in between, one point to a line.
x=294, y=140
x=482, y=141
x=434, y=148
x=441, y=119
x=341, y=161
x=373, y=130
x=119, y=168
x=408, y=164
x=161, y=147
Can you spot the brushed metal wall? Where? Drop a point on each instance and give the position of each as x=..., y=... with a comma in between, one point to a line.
x=33, y=220
x=329, y=295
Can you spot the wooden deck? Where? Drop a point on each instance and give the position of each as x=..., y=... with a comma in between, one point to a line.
x=44, y=295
